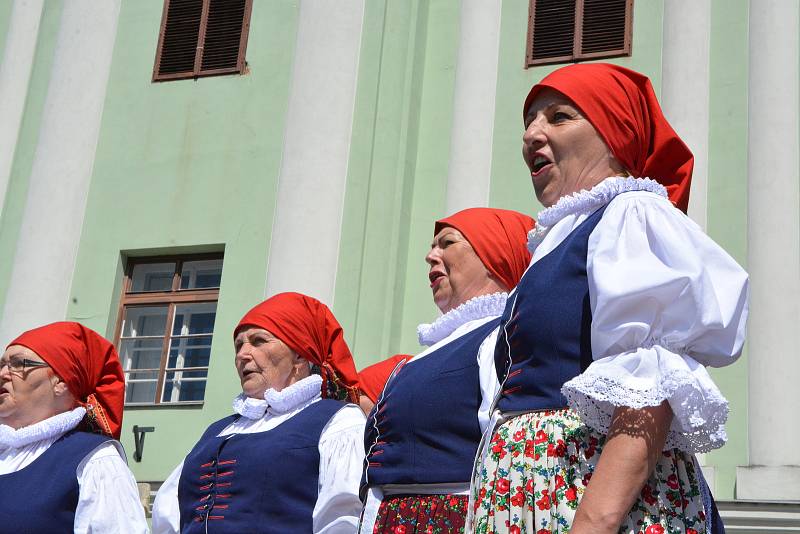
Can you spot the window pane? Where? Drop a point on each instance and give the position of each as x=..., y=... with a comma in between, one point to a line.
x=189, y=352
x=141, y=387
x=184, y=386
x=201, y=274
x=192, y=319
x=144, y=321
x=152, y=277
x=140, y=353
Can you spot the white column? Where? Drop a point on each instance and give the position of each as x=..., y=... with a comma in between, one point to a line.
x=15, y=73
x=304, y=248
x=685, y=87
x=44, y=260
x=470, y=164
x=773, y=254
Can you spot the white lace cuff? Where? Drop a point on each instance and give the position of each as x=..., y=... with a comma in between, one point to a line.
x=647, y=377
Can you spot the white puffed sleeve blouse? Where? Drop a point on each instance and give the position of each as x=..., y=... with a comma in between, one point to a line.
x=666, y=301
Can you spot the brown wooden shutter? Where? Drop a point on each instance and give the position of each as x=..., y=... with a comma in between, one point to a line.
x=604, y=24
x=560, y=31
x=180, y=28
x=202, y=38
x=226, y=18
x=553, y=23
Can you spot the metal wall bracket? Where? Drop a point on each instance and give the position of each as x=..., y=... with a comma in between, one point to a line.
x=138, y=440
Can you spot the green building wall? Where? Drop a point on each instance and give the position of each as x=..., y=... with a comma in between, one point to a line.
x=185, y=166
x=727, y=205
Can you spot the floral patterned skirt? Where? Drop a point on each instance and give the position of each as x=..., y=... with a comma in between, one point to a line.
x=423, y=514
x=539, y=464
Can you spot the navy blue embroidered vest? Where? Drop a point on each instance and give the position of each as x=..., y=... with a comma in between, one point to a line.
x=42, y=497
x=263, y=482
x=544, y=337
x=424, y=429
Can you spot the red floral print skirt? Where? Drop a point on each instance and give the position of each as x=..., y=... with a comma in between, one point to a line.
x=538, y=465
x=422, y=514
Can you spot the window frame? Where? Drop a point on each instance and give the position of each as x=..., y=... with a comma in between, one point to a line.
x=171, y=298
x=197, y=71
x=577, y=38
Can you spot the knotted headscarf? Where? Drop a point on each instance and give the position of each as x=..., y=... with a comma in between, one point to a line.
x=622, y=107
x=309, y=328
x=372, y=379
x=499, y=238
x=89, y=366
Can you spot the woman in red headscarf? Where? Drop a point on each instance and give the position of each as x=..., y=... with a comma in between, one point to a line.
x=373, y=378
x=603, y=346
x=61, y=468
x=424, y=430
x=290, y=458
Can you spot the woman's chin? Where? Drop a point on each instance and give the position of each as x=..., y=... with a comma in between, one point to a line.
x=253, y=390
x=258, y=395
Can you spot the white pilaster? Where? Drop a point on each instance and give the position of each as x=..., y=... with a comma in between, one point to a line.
x=470, y=164
x=44, y=260
x=773, y=254
x=685, y=87
x=304, y=248
x=15, y=74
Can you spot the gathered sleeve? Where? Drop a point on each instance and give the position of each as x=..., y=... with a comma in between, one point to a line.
x=341, y=460
x=666, y=301
x=108, y=499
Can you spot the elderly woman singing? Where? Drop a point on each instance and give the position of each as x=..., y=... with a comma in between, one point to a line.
x=61, y=468
x=290, y=458
x=424, y=431
x=603, y=346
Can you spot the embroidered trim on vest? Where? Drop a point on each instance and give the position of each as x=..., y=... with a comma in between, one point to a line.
x=475, y=308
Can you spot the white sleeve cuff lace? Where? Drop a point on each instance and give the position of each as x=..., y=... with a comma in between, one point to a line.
x=647, y=377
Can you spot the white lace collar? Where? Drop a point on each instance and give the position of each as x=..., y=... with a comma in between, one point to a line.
x=279, y=402
x=588, y=201
x=475, y=308
x=11, y=438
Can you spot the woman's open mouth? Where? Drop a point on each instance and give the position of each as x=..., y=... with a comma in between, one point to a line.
x=540, y=163
x=435, y=277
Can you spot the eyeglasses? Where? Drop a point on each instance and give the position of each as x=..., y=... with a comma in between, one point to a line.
x=20, y=365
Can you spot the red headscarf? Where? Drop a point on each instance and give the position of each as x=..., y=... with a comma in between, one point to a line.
x=309, y=328
x=622, y=107
x=372, y=379
x=90, y=367
x=499, y=238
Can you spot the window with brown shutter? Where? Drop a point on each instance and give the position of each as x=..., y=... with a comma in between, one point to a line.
x=165, y=326
x=561, y=31
x=202, y=38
